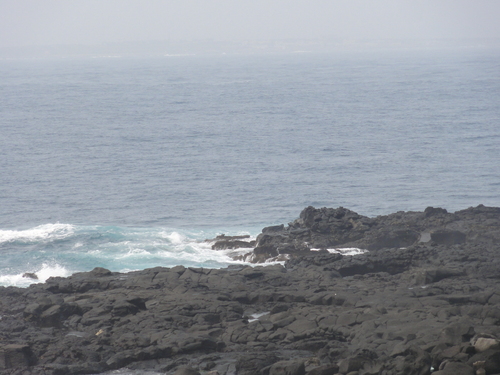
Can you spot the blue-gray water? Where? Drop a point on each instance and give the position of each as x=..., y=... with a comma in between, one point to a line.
x=129, y=163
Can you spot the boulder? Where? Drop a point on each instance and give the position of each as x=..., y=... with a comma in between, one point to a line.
x=186, y=370
x=30, y=275
x=455, y=368
x=329, y=369
x=13, y=356
x=457, y=333
x=489, y=360
x=232, y=244
x=364, y=359
x=483, y=344
x=293, y=367
x=253, y=363
x=448, y=237
x=393, y=238
x=429, y=276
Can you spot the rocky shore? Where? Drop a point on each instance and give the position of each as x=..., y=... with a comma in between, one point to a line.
x=424, y=299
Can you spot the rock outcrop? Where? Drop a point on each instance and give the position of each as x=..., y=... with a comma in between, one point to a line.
x=426, y=298
x=326, y=228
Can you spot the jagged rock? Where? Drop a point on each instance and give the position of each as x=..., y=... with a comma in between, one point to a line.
x=484, y=343
x=457, y=333
x=365, y=361
x=232, y=244
x=253, y=363
x=413, y=361
x=186, y=371
x=388, y=311
x=455, y=368
x=293, y=367
x=327, y=228
x=30, y=275
x=431, y=211
x=13, y=356
x=448, y=237
x=429, y=276
x=489, y=360
x=324, y=370
x=223, y=242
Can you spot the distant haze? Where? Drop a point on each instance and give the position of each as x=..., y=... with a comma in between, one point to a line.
x=55, y=22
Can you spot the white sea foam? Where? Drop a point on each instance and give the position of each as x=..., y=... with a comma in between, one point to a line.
x=43, y=273
x=121, y=249
x=40, y=233
x=52, y=271
x=255, y=317
x=349, y=251
x=174, y=237
x=135, y=253
x=195, y=251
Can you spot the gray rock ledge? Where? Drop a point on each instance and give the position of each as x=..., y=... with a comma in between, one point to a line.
x=426, y=296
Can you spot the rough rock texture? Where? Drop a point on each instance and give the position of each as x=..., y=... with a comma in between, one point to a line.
x=223, y=242
x=325, y=228
x=403, y=308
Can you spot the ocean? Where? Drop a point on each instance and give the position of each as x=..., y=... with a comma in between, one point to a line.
x=131, y=163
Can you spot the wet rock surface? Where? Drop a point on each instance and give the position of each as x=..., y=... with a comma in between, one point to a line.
x=324, y=228
x=426, y=297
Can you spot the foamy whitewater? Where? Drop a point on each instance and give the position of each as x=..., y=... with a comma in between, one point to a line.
x=129, y=163
x=63, y=249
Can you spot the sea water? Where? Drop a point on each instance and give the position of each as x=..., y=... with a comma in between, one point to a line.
x=62, y=249
x=131, y=163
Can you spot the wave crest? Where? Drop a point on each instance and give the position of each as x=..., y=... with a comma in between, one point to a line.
x=45, y=232
x=42, y=273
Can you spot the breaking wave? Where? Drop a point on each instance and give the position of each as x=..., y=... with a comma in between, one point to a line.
x=63, y=249
x=46, y=232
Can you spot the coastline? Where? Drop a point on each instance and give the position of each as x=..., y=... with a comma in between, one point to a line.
x=425, y=296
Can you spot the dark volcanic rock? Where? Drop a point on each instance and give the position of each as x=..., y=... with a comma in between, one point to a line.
x=292, y=367
x=30, y=275
x=223, y=242
x=15, y=355
x=434, y=302
x=448, y=237
x=329, y=228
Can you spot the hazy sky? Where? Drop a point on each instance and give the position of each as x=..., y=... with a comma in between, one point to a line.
x=47, y=22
